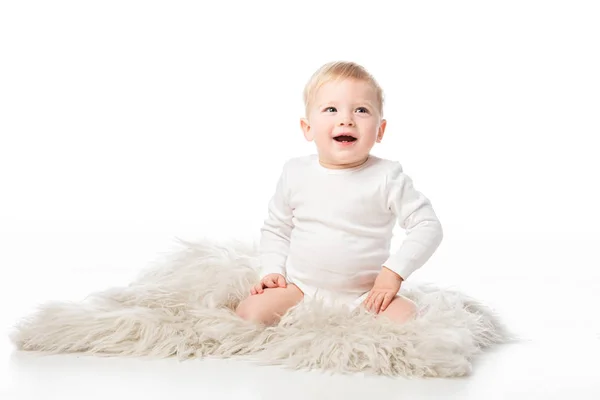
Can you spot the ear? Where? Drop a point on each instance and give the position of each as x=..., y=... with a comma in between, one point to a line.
x=305, y=125
x=381, y=130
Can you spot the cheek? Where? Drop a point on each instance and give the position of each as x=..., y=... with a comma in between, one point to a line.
x=323, y=140
x=370, y=129
x=321, y=124
x=322, y=131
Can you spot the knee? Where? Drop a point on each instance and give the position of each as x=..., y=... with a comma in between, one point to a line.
x=411, y=309
x=244, y=311
x=408, y=309
x=401, y=310
x=249, y=312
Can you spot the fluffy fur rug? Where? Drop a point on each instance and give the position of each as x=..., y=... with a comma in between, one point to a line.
x=183, y=306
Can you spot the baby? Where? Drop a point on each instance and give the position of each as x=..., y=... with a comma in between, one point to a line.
x=329, y=227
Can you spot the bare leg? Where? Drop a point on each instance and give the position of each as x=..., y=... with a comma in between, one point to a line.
x=401, y=309
x=267, y=307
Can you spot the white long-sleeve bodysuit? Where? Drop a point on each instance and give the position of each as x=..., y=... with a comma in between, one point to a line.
x=329, y=231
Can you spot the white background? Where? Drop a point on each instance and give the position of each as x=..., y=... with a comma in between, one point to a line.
x=126, y=124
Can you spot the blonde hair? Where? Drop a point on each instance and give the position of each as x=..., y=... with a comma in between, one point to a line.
x=340, y=70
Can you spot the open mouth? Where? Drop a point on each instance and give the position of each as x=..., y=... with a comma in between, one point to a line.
x=344, y=138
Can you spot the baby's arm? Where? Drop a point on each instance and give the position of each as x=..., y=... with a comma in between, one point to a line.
x=416, y=215
x=276, y=230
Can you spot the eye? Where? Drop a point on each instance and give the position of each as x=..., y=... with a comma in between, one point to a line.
x=362, y=110
x=330, y=109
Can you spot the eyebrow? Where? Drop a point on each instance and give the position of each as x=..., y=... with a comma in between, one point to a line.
x=369, y=103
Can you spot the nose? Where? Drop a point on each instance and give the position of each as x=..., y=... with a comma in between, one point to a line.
x=346, y=121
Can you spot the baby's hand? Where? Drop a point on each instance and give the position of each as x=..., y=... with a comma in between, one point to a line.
x=269, y=281
x=384, y=290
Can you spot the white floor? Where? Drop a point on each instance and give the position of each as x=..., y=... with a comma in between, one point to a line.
x=522, y=279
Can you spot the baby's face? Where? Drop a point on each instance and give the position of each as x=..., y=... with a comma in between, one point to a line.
x=348, y=108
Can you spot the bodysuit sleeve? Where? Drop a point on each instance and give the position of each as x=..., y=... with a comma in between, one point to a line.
x=416, y=216
x=277, y=228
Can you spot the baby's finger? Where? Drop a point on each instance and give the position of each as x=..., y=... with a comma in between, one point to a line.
x=378, y=301
x=386, y=301
x=281, y=281
x=270, y=283
x=366, y=302
x=373, y=302
x=259, y=288
x=368, y=299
